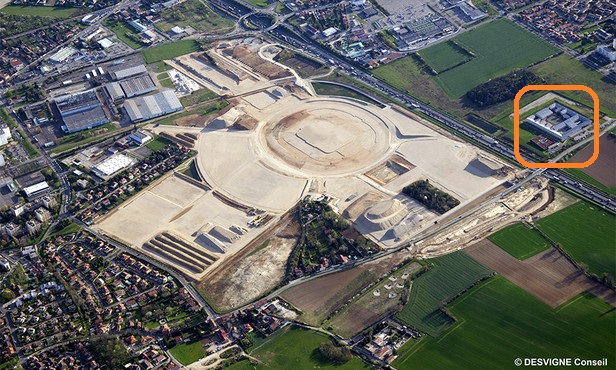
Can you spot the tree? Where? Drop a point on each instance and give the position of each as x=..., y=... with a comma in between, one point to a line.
x=334, y=353
x=8, y=295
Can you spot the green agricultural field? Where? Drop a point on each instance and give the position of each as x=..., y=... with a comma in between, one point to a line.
x=443, y=56
x=519, y=241
x=188, y=353
x=499, y=322
x=196, y=14
x=578, y=74
x=170, y=50
x=297, y=349
x=40, y=11
x=586, y=233
x=450, y=275
x=499, y=47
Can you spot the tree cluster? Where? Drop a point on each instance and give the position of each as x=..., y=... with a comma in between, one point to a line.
x=502, y=88
x=335, y=354
x=433, y=198
x=110, y=352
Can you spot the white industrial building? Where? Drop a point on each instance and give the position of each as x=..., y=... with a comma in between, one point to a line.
x=36, y=189
x=128, y=72
x=5, y=134
x=608, y=51
x=112, y=165
x=140, y=137
x=63, y=54
x=152, y=106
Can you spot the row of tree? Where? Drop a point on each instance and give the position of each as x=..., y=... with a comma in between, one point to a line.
x=502, y=88
x=433, y=198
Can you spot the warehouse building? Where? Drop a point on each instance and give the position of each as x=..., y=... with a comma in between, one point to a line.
x=138, y=86
x=112, y=165
x=118, y=91
x=140, y=137
x=114, y=92
x=36, y=189
x=63, y=54
x=152, y=106
x=80, y=111
x=128, y=72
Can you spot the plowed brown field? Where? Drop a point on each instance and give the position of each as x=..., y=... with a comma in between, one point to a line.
x=549, y=276
x=604, y=168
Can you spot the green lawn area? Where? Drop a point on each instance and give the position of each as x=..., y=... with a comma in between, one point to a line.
x=76, y=139
x=586, y=233
x=170, y=50
x=294, y=348
x=322, y=88
x=499, y=47
x=166, y=82
x=450, y=275
x=40, y=11
x=69, y=229
x=158, y=143
x=197, y=97
x=519, y=241
x=443, y=55
x=188, y=353
x=162, y=66
x=122, y=31
x=196, y=14
x=499, y=322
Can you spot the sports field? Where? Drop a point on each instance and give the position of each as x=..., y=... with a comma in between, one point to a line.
x=519, y=241
x=586, y=233
x=499, y=47
x=450, y=275
x=443, y=56
x=499, y=322
x=294, y=348
x=170, y=50
x=578, y=74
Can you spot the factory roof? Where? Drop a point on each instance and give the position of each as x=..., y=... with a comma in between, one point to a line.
x=128, y=72
x=113, y=164
x=143, y=108
x=138, y=86
x=85, y=119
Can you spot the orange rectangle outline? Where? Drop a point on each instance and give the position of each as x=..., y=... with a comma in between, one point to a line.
x=516, y=126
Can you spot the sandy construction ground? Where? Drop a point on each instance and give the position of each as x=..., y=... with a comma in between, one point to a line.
x=176, y=206
x=318, y=145
x=252, y=276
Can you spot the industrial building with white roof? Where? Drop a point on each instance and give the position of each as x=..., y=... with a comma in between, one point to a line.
x=152, y=106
